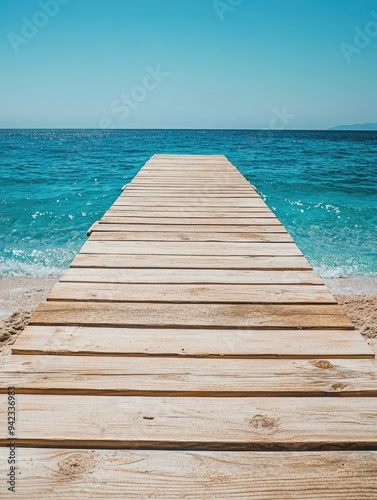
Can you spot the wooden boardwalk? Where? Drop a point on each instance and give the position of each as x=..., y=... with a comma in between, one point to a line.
x=190, y=351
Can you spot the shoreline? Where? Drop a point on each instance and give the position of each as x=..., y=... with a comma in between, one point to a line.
x=19, y=296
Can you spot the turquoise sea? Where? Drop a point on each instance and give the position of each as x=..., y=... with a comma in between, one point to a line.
x=55, y=183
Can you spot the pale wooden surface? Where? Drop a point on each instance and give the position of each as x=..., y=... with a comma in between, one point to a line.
x=187, y=228
x=123, y=211
x=170, y=236
x=189, y=377
x=190, y=248
x=178, y=293
x=191, y=342
x=170, y=315
x=137, y=475
x=196, y=262
x=183, y=219
x=204, y=276
x=195, y=423
x=191, y=320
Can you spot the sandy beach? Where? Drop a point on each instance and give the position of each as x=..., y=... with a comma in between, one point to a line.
x=20, y=296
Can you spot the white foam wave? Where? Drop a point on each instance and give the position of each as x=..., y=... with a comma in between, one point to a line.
x=14, y=268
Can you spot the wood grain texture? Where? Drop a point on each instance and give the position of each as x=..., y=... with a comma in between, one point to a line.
x=211, y=195
x=189, y=248
x=135, y=474
x=190, y=315
x=217, y=221
x=185, y=190
x=192, y=342
x=196, y=262
x=184, y=236
x=198, y=201
x=203, y=293
x=258, y=423
x=199, y=211
x=188, y=212
x=157, y=377
x=177, y=182
x=193, y=276
x=186, y=228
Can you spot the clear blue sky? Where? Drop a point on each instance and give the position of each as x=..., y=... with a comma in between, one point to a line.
x=223, y=66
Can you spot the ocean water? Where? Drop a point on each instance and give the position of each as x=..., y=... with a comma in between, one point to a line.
x=55, y=183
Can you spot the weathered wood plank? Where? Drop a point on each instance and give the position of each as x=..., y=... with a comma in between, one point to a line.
x=190, y=248
x=170, y=181
x=186, y=212
x=191, y=342
x=186, y=190
x=191, y=276
x=199, y=201
x=185, y=236
x=180, y=293
x=134, y=475
x=190, y=315
x=195, y=210
x=160, y=377
x=210, y=195
x=114, y=212
x=197, y=183
x=193, y=228
x=259, y=423
x=251, y=221
x=196, y=262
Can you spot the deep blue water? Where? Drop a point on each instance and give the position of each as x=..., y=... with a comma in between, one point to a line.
x=55, y=183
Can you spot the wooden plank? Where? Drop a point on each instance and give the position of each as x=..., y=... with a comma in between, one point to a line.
x=193, y=211
x=190, y=248
x=145, y=212
x=90, y=474
x=191, y=276
x=192, y=221
x=258, y=423
x=170, y=181
x=189, y=377
x=191, y=342
x=193, y=174
x=177, y=192
x=156, y=315
x=218, y=172
x=193, y=228
x=196, y=262
x=195, y=294
x=191, y=180
x=186, y=236
x=222, y=169
x=219, y=168
x=210, y=195
x=186, y=190
x=199, y=201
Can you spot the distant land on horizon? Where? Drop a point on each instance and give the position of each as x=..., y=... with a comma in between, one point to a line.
x=356, y=126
